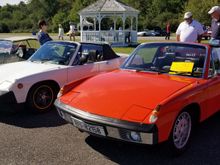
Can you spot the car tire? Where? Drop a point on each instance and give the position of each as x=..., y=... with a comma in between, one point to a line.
x=41, y=97
x=181, y=133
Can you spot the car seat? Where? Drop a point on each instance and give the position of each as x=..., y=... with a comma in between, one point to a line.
x=165, y=60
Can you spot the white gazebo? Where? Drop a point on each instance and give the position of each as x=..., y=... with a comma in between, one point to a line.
x=116, y=11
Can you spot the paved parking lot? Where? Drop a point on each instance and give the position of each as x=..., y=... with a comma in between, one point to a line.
x=27, y=138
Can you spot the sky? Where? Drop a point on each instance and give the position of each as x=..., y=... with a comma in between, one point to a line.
x=11, y=2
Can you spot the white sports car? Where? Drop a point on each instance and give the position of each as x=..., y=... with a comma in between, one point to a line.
x=37, y=81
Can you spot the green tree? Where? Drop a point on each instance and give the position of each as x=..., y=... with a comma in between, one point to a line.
x=200, y=9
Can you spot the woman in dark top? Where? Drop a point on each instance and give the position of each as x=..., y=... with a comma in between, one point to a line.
x=43, y=36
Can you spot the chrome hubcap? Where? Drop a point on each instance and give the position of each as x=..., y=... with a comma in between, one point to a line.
x=182, y=130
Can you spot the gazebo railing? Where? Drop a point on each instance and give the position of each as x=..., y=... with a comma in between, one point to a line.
x=110, y=36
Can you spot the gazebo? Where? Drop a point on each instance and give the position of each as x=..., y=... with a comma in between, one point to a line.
x=119, y=13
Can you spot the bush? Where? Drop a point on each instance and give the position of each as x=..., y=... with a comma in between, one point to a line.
x=4, y=28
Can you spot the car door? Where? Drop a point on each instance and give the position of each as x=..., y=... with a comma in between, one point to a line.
x=213, y=83
x=109, y=61
x=81, y=69
x=109, y=65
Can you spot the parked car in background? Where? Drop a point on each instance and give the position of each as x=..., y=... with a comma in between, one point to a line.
x=157, y=31
x=17, y=48
x=37, y=81
x=161, y=93
x=160, y=32
x=148, y=33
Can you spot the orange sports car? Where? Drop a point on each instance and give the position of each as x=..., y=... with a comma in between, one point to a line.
x=159, y=94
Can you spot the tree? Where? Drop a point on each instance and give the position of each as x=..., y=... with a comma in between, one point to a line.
x=4, y=28
x=200, y=9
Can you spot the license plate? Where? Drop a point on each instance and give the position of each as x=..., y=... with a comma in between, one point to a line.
x=99, y=130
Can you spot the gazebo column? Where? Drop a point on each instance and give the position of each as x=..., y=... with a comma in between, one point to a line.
x=115, y=33
x=131, y=24
x=81, y=26
x=123, y=20
x=115, y=20
x=136, y=28
x=136, y=23
x=94, y=20
x=100, y=20
x=131, y=30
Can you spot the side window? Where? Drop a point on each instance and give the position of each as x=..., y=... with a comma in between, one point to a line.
x=215, y=61
x=89, y=53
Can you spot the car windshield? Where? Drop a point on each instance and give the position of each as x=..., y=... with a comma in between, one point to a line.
x=5, y=46
x=171, y=58
x=55, y=52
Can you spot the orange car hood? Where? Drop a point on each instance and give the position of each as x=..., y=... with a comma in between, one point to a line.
x=125, y=93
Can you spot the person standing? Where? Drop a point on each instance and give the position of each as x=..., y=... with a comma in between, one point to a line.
x=72, y=32
x=60, y=32
x=42, y=35
x=189, y=30
x=167, y=31
x=215, y=26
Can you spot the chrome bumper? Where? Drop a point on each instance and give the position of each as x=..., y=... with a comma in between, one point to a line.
x=116, y=129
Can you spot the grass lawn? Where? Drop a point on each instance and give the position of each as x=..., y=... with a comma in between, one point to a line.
x=126, y=50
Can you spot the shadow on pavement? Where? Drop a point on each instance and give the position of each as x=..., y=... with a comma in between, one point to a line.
x=24, y=118
x=204, y=149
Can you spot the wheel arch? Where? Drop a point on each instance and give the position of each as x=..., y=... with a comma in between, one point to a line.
x=195, y=111
x=53, y=83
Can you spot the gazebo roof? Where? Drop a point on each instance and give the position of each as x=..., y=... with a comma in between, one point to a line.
x=103, y=6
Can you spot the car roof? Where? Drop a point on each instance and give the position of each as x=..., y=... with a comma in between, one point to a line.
x=19, y=38
x=83, y=42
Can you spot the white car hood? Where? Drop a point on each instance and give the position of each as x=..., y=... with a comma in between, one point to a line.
x=18, y=70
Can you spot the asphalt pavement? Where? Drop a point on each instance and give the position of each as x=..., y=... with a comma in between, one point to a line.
x=27, y=138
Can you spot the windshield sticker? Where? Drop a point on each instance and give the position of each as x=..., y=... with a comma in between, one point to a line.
x=181, y=67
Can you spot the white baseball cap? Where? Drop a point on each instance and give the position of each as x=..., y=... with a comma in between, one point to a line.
x=187, y=15
x=213, y=9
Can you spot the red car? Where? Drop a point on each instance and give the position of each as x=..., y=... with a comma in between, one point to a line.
x=159, y=94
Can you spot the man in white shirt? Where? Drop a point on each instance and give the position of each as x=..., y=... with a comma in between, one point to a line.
x=189, y=30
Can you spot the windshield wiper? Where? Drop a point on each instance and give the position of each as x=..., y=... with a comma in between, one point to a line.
x=45, y=59
x=158, y=70
x=41, y=60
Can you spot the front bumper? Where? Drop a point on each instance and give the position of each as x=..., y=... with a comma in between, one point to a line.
x=113, y=128
x=8, y=98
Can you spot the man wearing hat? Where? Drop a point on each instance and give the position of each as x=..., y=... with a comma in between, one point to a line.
x=189, y=30
x=215, y=14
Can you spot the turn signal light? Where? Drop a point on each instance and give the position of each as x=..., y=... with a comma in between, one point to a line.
x=20, y=86
x=154, y=115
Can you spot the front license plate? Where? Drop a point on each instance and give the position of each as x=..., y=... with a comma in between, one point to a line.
x=99, y=130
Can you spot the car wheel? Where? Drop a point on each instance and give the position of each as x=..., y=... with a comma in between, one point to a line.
x=181, y=133
x=41, y=97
